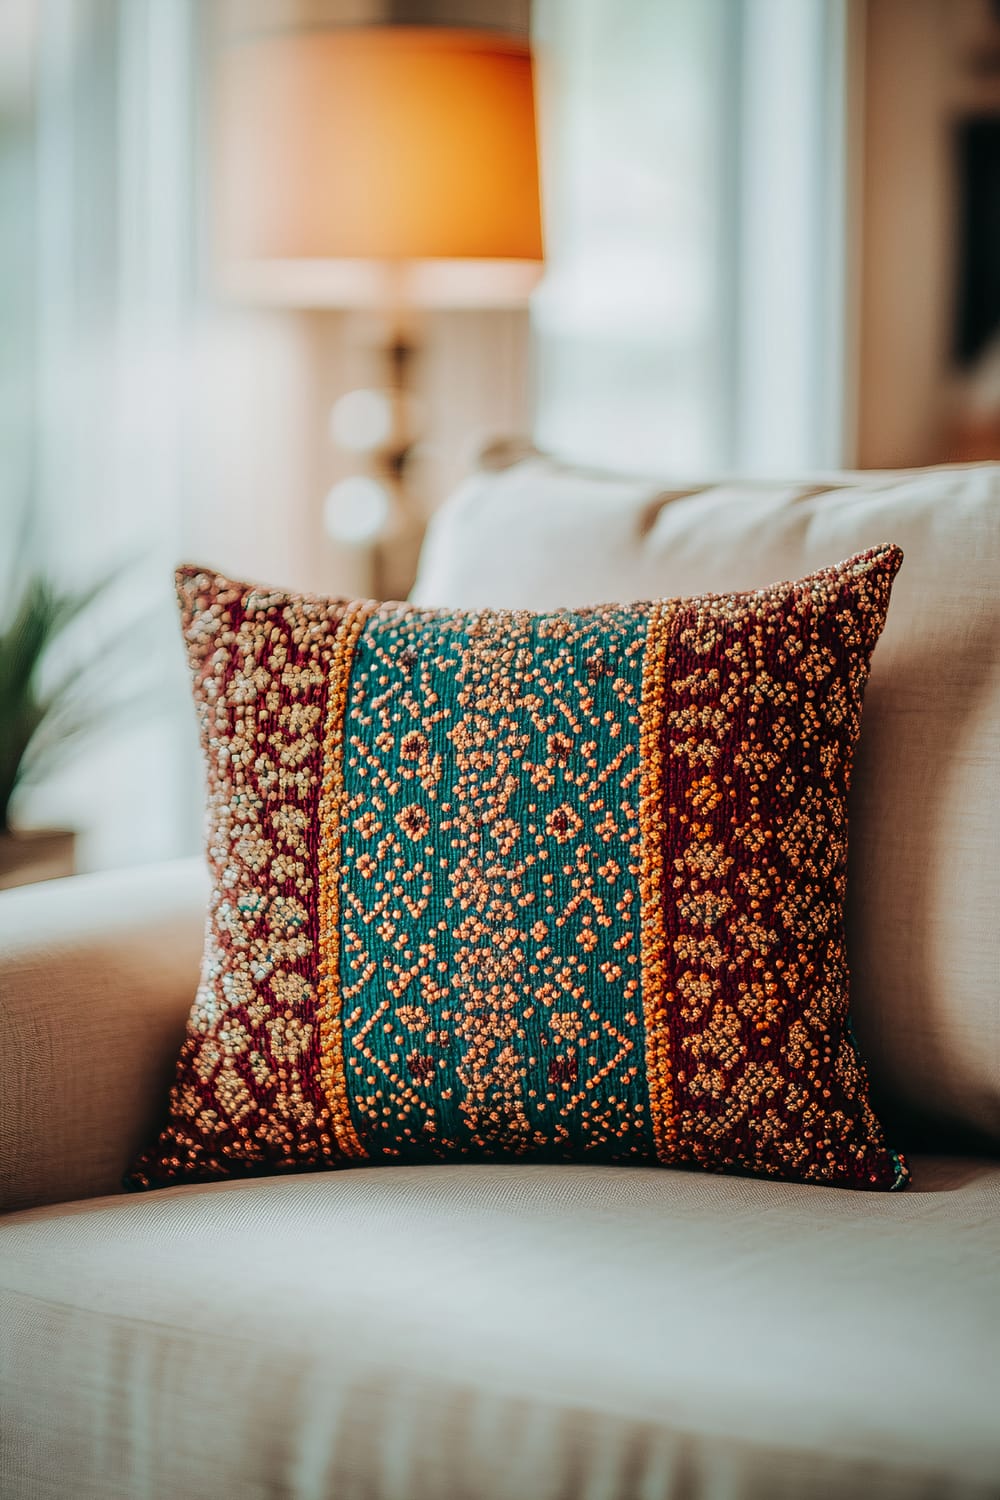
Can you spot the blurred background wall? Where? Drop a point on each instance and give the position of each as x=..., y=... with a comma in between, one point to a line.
x=772, y=233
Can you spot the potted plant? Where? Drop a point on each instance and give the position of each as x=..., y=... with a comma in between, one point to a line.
x=49, y=698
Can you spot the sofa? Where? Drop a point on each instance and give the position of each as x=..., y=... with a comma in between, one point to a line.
x=528, y=1332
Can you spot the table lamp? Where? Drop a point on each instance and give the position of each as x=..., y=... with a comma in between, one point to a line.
x=389, y=167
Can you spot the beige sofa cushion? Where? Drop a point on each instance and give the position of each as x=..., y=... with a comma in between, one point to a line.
x=925, y=833
x=506, y=1332
x=97, y=974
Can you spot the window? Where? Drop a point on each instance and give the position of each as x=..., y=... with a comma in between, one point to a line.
x=693, y=316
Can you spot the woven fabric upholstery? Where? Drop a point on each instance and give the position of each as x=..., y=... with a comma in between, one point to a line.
x=103, y=968
x=506, y=1332
x=558, y=886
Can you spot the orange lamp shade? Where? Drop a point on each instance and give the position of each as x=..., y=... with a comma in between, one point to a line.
x=378, y=142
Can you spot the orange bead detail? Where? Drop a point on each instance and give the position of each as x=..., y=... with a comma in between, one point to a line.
x=653, y=926
x=331, y=807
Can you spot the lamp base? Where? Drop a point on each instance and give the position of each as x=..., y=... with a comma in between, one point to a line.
x=397, y=552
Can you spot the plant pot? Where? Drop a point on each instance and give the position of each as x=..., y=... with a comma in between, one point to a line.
x=36, y=854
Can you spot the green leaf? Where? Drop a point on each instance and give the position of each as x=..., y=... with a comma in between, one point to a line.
x=34, y=723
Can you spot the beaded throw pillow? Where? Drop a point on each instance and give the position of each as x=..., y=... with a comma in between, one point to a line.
x=498, y=884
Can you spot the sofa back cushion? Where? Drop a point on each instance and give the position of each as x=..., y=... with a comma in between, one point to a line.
x=923, y=924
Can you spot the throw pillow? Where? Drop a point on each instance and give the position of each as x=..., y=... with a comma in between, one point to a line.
x=499, y=884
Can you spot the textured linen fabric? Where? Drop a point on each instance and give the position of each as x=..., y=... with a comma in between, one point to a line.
x=923, y=934
x=503, y=1332
x=556, y=886
x=97, y=974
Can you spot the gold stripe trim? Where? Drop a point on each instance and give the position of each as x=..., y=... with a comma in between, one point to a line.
x=331, y=822
x=651, y=892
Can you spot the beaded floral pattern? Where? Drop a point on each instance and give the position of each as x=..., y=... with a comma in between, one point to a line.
x=499, y=884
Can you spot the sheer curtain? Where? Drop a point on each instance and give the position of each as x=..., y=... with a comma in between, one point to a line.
x=695, y=311
x=99, y=191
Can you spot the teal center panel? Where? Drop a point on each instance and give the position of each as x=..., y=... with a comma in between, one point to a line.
x=490, y=960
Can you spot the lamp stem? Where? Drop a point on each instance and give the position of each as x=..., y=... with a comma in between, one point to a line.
x=396, y=551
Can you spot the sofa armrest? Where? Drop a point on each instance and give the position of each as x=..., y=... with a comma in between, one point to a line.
x=97, y=975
